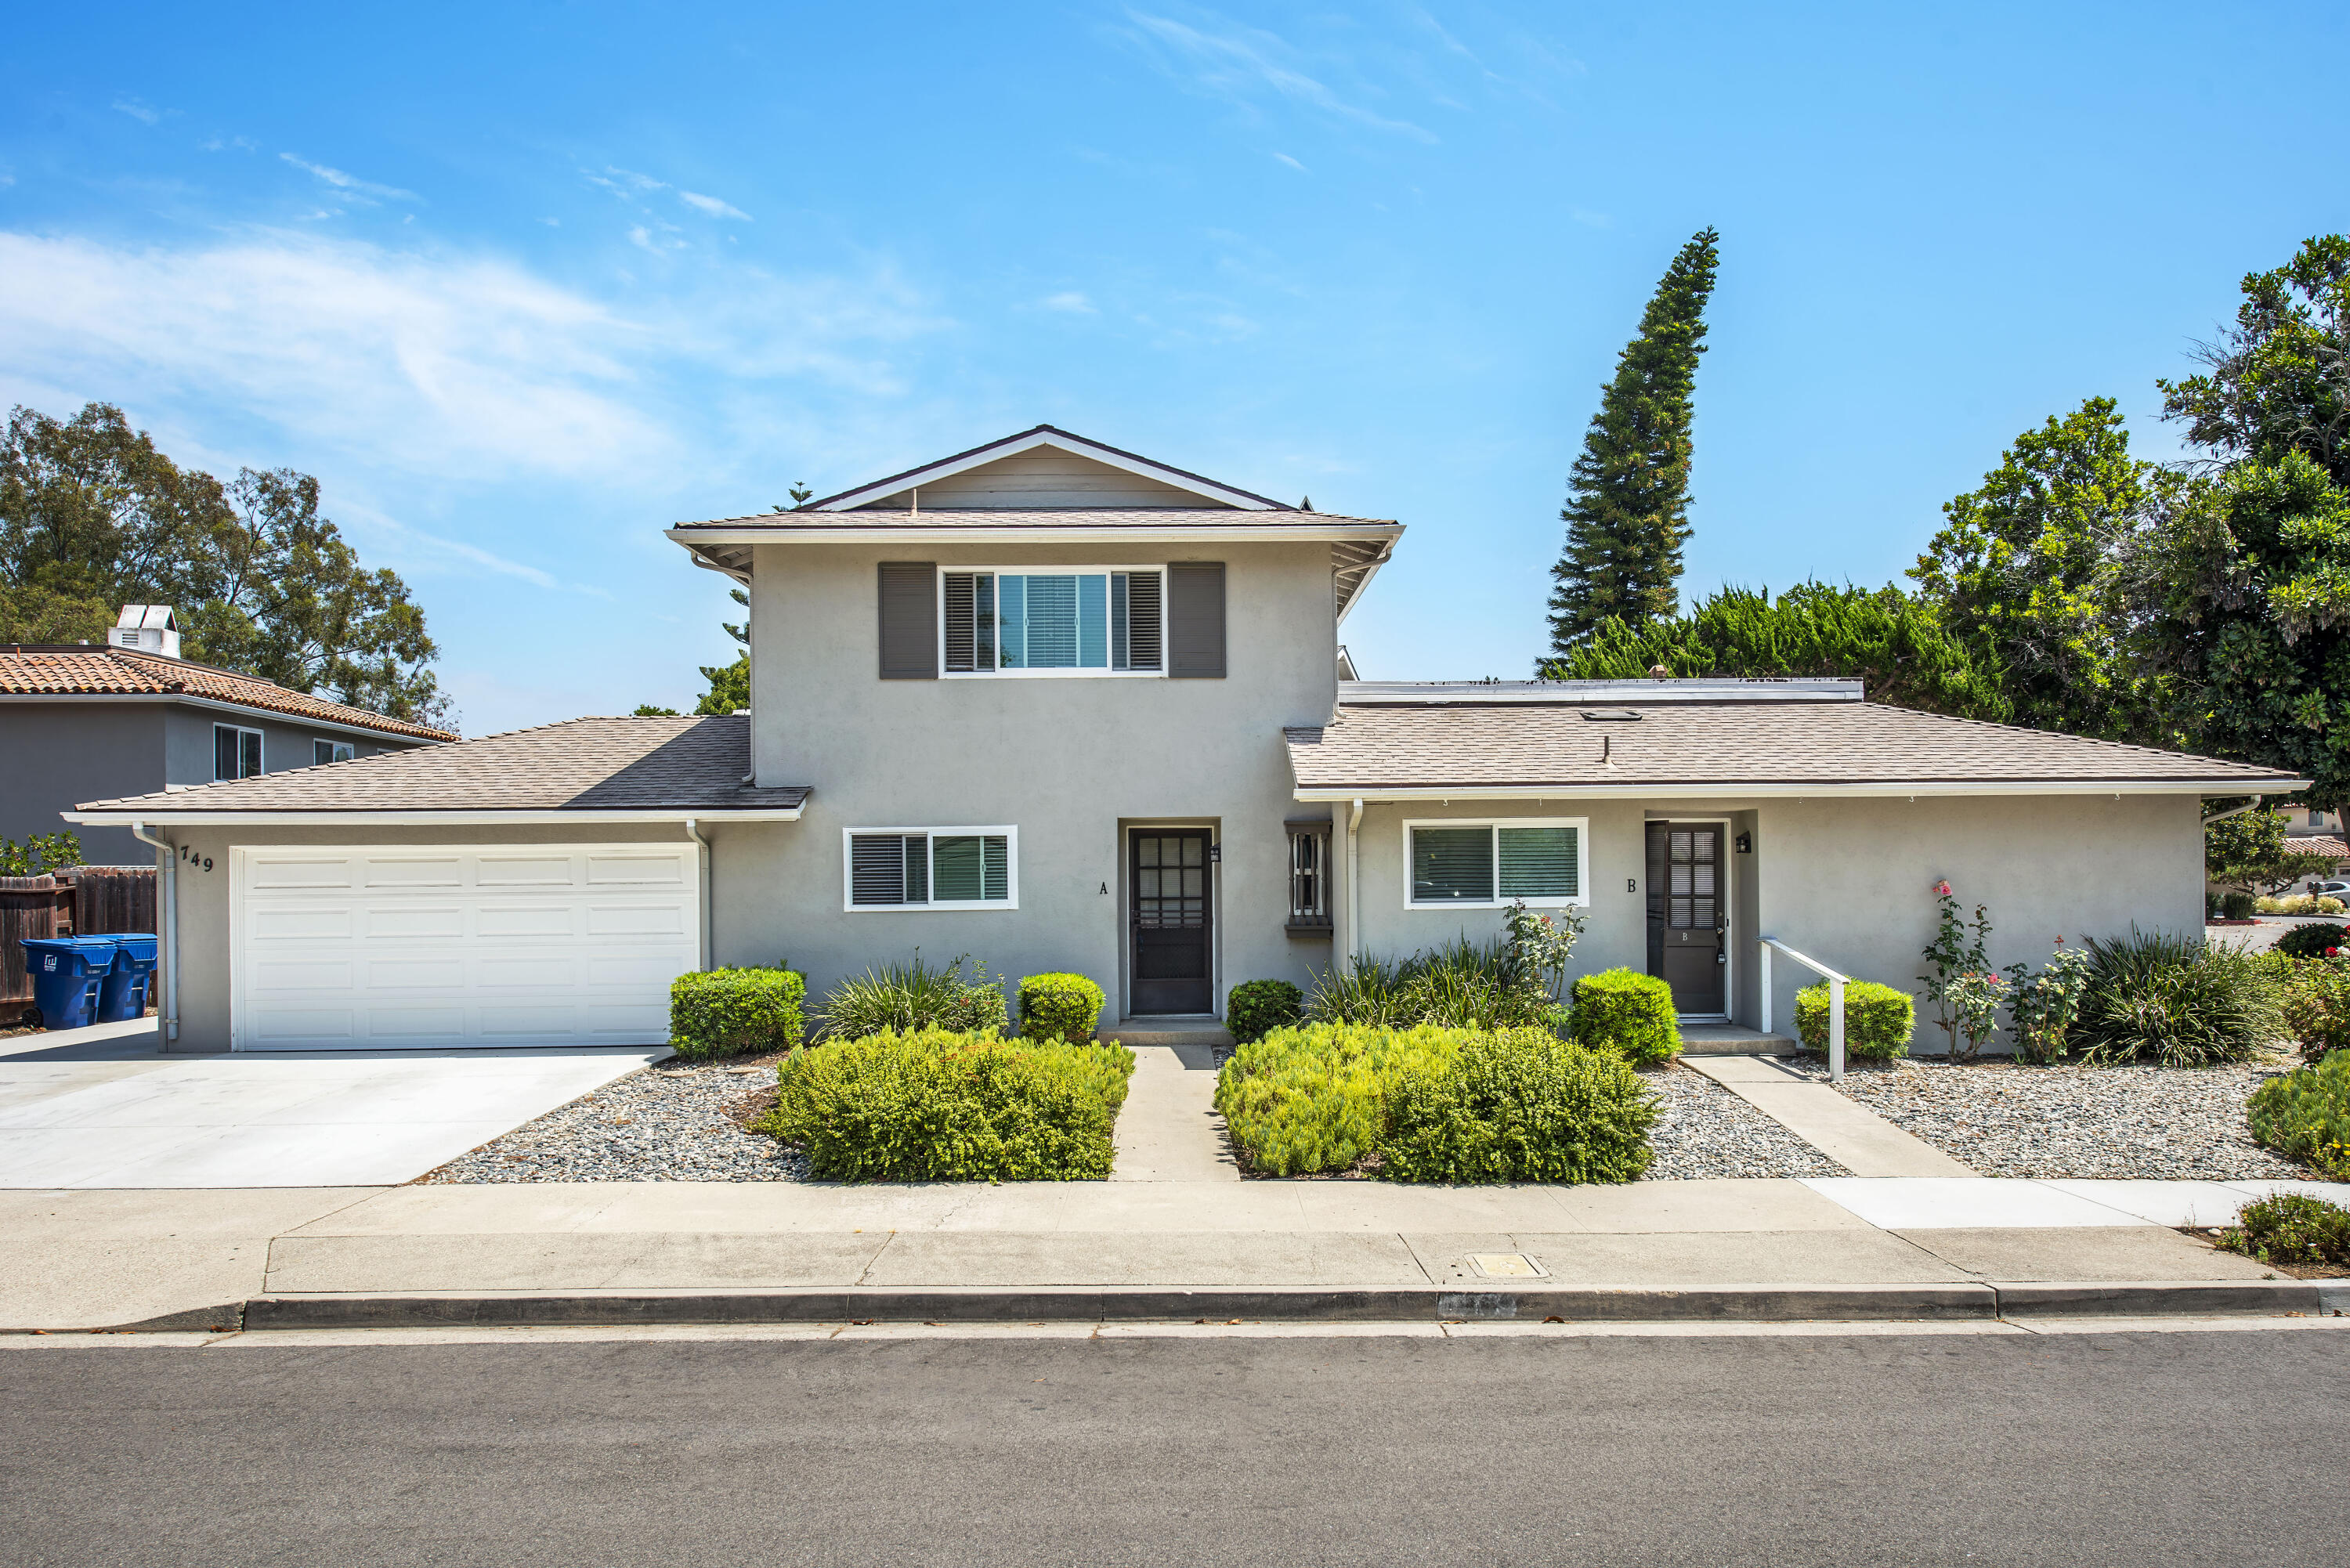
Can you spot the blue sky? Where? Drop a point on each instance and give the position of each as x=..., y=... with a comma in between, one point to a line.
x=522, y=284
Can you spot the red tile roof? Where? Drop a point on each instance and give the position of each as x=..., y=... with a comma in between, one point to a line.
x=35, y=671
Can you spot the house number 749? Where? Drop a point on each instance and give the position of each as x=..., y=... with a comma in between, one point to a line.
x=200, y=862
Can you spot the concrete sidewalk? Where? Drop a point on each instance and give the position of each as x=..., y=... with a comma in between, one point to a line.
x=92, y=1259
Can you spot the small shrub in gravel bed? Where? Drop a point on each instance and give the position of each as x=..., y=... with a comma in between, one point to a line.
x=1257, y=1007
x=2177, y=1001
x=2305, y=1115
x=1878, y=1020
x=1629, y=1013
x=728, y=1012
x=2292, y=1231
x=1432, y=1104
x=2317, y=1005
x=935, y=1105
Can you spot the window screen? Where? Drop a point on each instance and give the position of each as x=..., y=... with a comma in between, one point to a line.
x=1539, y=862
x=996, y=621
x=929, y=869
x=1452, y=863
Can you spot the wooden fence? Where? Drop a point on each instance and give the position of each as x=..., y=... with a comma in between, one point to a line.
x=83, y=900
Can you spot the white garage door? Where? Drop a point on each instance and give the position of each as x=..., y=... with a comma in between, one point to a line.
x=436, y=947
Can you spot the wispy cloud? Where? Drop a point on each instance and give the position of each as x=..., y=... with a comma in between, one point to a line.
x=713, y=205
x=350, y=185
x=226, y=143
x=1246, y=65
x=1069, y=302
x=142, y=113
x=1293, y=163
x=419, y=362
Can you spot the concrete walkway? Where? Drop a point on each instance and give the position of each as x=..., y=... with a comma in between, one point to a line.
x=1168, y=1130
x=87, y=1259
x=1850, y=1134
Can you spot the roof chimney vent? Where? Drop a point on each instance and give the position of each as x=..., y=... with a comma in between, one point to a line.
x=147, y=628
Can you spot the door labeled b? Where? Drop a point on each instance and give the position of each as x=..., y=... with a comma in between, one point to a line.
x=1689, y=915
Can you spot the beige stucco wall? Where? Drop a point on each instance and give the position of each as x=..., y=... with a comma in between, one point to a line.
x=1848, y=881
x=1069, y=761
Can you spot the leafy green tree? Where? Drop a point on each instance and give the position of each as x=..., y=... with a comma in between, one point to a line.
x=1626, y=512
x=650, y=710
x=40, y=853
x=2248, y=851
x=2023, y=571
x=1890, y=641
x=93, y=516
x=2279, y=380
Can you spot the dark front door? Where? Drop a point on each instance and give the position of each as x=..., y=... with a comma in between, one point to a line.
x=1168, y=870
x=1689, y=914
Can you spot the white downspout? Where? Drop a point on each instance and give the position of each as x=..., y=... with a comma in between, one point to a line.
x=1354, y=883
x=702, y=883
x=167, y=861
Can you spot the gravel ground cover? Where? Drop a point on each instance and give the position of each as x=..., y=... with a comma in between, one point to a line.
x=675, y=1122
x=2159, y=1124
x=1707, y=1131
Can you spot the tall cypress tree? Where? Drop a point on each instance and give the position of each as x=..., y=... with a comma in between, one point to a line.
x=1626, y=510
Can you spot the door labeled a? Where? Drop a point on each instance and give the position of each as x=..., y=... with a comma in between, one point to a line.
x=1689, y=916
x=1171, y=909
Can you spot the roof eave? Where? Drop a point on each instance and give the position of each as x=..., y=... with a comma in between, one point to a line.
x=1777, y=790
x=228, y=705
x=697, y=537
x=166, y=816
x=1027, y=439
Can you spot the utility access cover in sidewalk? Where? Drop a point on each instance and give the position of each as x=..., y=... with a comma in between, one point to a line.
x=1505, y=1266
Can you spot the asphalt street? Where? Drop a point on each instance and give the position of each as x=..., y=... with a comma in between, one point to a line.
x=2138, y=1448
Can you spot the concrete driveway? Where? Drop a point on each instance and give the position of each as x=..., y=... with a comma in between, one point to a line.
x=103, y=1107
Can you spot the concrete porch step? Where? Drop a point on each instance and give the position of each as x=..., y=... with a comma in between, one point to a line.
x=1732, y=1040
x=1204, y=1030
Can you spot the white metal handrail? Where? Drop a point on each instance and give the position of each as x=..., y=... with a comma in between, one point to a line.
x=1835, y=1000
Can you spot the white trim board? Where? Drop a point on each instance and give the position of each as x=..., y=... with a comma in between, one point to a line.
x=1029, y=440
x=167, y=818
x=1735, y=790
x=1010, y=900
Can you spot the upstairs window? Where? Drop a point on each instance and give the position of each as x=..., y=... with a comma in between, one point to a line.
x=332, y=752
x=1087, y=620
x=236, y=753
x=1486, y=865
x=931, y=868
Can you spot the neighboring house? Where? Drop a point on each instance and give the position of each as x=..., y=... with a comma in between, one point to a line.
x=1059, y=707
x=80, y=723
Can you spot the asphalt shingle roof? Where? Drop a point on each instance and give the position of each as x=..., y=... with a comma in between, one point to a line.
x=34, y=671
x=581, y=764
x=1484, y=745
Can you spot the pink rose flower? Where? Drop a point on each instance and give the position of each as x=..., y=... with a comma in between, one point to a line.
x=1942, y=890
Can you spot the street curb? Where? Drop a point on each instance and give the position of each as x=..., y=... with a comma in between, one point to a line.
x=1713, y=1303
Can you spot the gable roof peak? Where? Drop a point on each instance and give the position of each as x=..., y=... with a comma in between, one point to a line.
x=1210, y=492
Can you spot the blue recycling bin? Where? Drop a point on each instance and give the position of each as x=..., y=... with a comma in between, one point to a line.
x=68, y=974
x=123, y=995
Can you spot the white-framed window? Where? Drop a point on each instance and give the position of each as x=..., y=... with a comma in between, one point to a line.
x=930, y=868
x=1454, y=865
x=332, y=752
x=1053, y=620
x=236, y=753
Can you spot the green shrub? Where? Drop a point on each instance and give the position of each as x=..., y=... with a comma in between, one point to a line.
x=2177, y=1001
x=1434, y=1105
x=2298, y=904
x=2293, y=1229
x=1879, y=1021
x=910, y=996
x=2316, y=1004
x=2237, y=905
x=1059, y=1007
x=1624, y=1012
x=1257, y=1007
x=2311, y=941
x=1520, y=1104
x=938, y=1105
x=1461, y=985
x=727, y=1012
x=2305, y=1115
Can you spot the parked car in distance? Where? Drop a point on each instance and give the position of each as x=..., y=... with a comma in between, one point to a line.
x=2330, y=890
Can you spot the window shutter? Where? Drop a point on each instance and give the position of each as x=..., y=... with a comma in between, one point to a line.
x=1142, y=621
x=910, y=621
x=1195, y=618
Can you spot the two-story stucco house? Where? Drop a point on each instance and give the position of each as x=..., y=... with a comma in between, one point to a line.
x=1060, y=707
